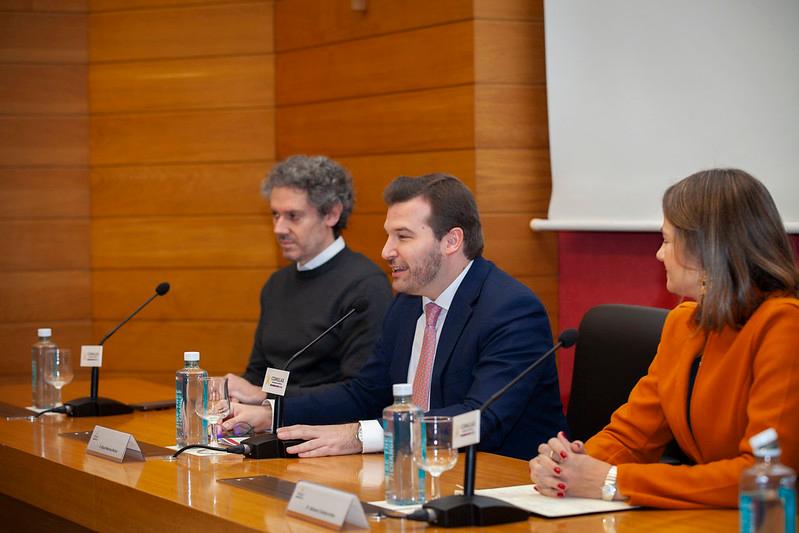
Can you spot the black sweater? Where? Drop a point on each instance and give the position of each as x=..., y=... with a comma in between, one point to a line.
x=296, y=306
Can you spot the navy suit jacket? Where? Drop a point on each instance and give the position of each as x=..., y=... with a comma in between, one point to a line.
x=494, y=329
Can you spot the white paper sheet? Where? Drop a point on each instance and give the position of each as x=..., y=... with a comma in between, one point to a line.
x=526, y=497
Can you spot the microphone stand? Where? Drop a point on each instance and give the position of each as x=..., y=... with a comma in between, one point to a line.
x=470, y=509
x=94, y=405
x=268, y=445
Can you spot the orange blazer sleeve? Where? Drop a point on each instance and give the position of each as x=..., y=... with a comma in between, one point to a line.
x=748, y=381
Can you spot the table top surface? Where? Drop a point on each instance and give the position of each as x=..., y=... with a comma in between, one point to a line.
x=40, y=466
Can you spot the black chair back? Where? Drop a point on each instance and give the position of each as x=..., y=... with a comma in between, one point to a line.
x=616, y=345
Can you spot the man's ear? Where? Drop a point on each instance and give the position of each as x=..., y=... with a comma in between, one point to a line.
x=453, y=241
x=333, y=216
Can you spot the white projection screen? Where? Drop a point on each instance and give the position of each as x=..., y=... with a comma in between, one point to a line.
x=642, y=93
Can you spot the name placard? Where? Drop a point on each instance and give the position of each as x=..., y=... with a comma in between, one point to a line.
x=276, y=381
x=114, y=445
x=91, y=356
x=466, y=429
x=325, y=506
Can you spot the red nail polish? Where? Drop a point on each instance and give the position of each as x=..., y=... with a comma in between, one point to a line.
x=557, y=470
x=560, y=495
x=562, y=486
x=564, y=455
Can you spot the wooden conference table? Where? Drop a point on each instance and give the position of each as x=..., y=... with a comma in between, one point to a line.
x=40, y=470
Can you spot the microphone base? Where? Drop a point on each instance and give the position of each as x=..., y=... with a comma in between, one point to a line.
x=88, y=406
x=268, y=446
x=475, y=510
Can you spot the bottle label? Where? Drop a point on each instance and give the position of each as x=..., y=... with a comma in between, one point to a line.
x=745, y=514
x=788, y=499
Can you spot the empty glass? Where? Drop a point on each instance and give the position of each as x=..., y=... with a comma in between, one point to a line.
x=436, y=455
x=215, y=406
x=58, y=369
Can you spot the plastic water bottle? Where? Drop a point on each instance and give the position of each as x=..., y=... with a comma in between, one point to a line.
x=189, y=427
x=767, y=497
x=401, y=435
x=44, y=394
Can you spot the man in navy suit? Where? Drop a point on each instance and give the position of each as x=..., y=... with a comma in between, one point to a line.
x=458, y=330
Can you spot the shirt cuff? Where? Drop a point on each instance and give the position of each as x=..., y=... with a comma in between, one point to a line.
x=372, y=436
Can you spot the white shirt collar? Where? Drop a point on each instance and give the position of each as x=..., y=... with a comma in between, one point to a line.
x=324, y=256
x=444, y=299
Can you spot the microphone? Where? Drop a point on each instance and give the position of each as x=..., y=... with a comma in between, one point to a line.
x=475, y=510
x=267, y=445
x=93, y=405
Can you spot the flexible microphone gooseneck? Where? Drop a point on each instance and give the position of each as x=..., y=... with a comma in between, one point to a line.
x=94, y=405
x=267, y=445
x=475, y=510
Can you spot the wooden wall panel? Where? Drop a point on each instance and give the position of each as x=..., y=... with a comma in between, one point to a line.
x=27, y=141
x=211, y=136
x=525, y=172
x=405, y=122
x=420, y=59
x=308, y=23
x=29, y=89
x=67, y=295
x=158, y=346
x=191, y=31
x=196, y=294
x=44, y=192
x=44, y=186
x=31, y=37
x=509, y=52
x=509, y=244
x=182, y=133
x=201, y=189
x=182, y=242
x=511, y=116
x=514, y=10
x=219, y=82
x=372, y=173
x=44, y=244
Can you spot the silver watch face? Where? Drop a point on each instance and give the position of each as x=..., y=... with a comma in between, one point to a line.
x=608, y=492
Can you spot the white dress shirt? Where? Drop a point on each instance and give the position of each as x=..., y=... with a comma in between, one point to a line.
x=324, y=256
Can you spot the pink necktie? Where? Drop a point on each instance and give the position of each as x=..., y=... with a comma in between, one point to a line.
x=424, y=369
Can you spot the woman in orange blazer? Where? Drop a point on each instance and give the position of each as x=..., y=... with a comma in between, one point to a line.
x=727, y=366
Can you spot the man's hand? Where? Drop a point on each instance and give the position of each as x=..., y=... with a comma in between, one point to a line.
x=257, y=416
x=339, y=439
x=242, y=390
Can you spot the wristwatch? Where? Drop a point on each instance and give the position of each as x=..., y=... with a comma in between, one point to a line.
x=609, y=488
x=359, y=435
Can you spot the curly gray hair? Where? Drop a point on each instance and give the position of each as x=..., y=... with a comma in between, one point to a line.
x=324, y=181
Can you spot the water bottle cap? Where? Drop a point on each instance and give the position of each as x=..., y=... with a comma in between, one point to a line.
x=765, y=443
x=191, y=356
x=44, y=332
x=402, y=389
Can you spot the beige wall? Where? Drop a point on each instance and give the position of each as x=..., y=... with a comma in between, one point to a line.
x=158, y=118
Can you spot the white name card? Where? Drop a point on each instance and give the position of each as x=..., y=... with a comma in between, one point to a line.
x=325, y=506
x=276, y=381
x=91, y=356
x=114, y=445
x=466, y=429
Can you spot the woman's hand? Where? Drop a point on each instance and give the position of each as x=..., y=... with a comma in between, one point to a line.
x=562, y=468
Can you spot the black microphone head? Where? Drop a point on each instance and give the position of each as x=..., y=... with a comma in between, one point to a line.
x=162, y=288
x=360, y=305
x=568, y=337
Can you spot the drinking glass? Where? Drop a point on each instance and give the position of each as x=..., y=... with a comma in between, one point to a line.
x=215, y=406
x=436, y=455
x=58, y=369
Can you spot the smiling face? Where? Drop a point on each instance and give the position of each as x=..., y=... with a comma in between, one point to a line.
x=682, y=272
x=302, y=233
x=412, y=250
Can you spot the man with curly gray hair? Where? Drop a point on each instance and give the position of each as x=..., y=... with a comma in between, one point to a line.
x=311, y=198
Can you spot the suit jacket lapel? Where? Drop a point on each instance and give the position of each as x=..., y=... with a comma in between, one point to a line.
x=404, y=341
x=458, y=316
